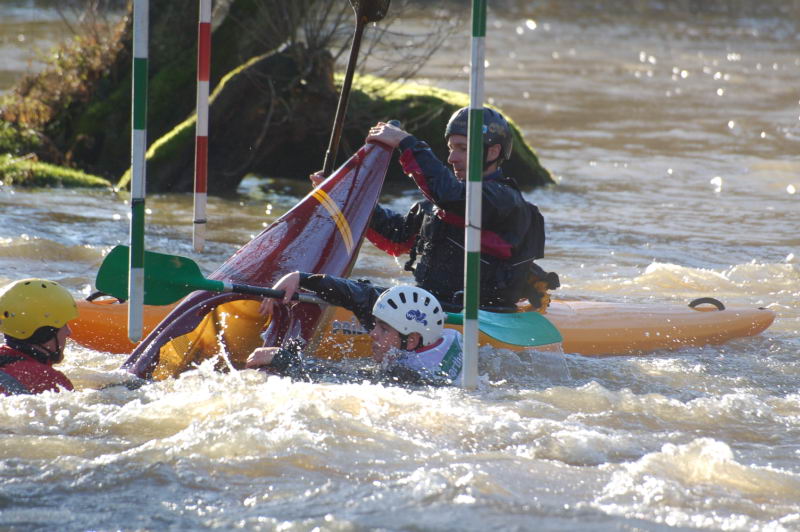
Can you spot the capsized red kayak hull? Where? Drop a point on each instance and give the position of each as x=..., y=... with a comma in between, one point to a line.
x=322, y=234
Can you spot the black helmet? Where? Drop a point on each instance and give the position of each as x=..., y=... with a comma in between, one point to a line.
x=495, y=130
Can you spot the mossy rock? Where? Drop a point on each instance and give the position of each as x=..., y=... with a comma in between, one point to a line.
x=264, y=117
x=424, y=111
x=27, y=171
x=283, y=131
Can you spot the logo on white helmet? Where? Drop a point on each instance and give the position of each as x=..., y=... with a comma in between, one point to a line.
x=418, y=316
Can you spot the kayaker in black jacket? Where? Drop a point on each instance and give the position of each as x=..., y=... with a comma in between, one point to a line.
x=432, y=231
x=405, y=323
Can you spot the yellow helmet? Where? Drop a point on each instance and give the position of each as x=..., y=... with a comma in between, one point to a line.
x=29, y=304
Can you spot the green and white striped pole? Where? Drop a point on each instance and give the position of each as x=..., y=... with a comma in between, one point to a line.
x=138, y=147
x=472, y=231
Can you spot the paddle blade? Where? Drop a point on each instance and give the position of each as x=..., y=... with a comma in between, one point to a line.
x=519, y=328
x=371, y=10
x=167, y=278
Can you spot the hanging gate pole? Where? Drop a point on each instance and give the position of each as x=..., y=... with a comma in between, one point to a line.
x=201, y=126
x=141, y=16
x=472, y=230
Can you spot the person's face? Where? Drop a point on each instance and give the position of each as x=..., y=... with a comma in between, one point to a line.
x=457, y=144
x=384, y=337
x=61, y=338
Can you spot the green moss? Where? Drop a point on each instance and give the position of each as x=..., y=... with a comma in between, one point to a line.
x=29, y=172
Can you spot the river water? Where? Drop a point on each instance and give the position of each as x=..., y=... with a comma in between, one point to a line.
x=675, y=143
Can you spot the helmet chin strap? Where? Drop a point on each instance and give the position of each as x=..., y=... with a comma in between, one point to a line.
x=487, y=164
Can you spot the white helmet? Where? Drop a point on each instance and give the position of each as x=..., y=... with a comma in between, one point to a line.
x=411, y=310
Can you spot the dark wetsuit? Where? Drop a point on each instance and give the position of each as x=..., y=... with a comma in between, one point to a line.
x=359, y=298
x=432, y=231
x=26, y=371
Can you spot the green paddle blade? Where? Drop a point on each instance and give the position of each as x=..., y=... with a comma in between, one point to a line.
x=167, y=278
x=527, y=329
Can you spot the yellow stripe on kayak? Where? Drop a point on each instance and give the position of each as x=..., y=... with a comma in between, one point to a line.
x=341, y=222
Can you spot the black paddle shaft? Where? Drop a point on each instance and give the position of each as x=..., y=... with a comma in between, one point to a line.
x=275, y=294
x=366, y=11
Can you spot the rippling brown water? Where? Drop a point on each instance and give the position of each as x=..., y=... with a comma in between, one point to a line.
x=675, y=141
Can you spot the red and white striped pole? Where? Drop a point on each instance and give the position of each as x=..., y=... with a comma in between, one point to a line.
x=201, y=127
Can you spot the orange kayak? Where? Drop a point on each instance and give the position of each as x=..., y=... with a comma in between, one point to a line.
x=589, y=327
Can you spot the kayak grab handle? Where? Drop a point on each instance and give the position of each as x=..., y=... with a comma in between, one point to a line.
x=702, y=300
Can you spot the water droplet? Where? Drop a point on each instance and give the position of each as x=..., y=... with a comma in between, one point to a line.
x=531, y=24
x=526, y=95
x=520, y=31
x=485, y=63
x=669, y=171
x=717, y=182
x=731, y=124
x=763, y=134
x=720, y=92
x=791, y=189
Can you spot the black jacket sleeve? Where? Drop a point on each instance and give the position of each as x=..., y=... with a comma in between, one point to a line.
x=356, y=296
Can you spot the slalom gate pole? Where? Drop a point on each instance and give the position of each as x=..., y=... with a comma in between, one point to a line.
x=141, y=21
x=472, y=230
x=201, y=126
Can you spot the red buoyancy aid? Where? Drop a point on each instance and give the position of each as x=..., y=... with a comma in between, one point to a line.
x=32, y=375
